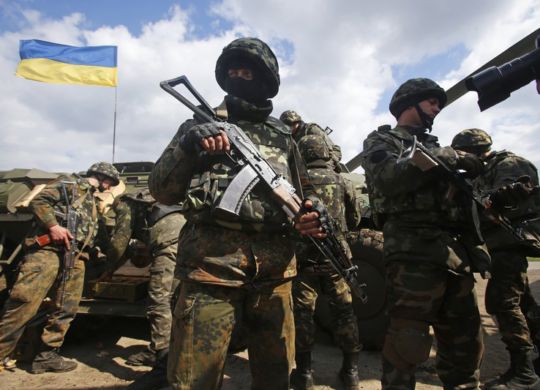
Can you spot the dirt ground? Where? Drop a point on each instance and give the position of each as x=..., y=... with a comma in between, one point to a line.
x=101, y=352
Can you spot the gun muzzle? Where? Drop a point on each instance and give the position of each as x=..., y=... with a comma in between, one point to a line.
x=496, y=83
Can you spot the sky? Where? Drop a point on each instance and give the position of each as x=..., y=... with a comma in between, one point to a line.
x=340, y=62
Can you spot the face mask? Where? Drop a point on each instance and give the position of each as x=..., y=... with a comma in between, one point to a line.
x=250, y=90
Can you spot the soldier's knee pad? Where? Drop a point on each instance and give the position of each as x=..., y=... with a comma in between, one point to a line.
x=407, y=344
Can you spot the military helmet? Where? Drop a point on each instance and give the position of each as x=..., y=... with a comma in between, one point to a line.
x=414, y=91
x=254, y=51
x=105, y=169
x=289, y=117
x=314, y=147
x=471, y=138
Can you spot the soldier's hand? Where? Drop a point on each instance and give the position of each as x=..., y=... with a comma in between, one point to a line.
x=209, y=137
x=60, y=235
x=470, y=163
x=308, y=223
x=511, y=194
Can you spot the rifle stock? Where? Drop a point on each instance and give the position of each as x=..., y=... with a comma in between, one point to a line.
x=256, y=169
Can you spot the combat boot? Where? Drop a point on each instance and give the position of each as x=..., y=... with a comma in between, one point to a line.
x=156, y=378
x=522, y=376
x=349, y=370
x=147, y=357
x=302, y=375
x=51, y=361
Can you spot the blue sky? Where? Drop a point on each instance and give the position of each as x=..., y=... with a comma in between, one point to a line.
x=111, y=12
x=340, y=62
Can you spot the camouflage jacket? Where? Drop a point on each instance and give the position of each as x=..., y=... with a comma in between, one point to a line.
x=503, y=168
x=130, y=222
x=49, y=207
x=419, y=220
x=402, y=188
x=199, y=181
x=133, y=221
x=315, y=129
x=339, y=196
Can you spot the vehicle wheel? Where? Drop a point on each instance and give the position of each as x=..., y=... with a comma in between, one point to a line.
x=366, y=247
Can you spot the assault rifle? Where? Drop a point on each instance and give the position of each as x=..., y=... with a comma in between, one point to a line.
x=424, y=159
x=72, y=220
x=256, y=169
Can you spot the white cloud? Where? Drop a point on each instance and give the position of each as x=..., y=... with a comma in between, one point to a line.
x=342, y=64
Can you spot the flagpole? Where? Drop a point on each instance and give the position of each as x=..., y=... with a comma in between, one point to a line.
x=114, y=122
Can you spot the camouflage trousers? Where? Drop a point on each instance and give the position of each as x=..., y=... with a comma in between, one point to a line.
x=37, y=277
x=203, y=321
x=160, y=291
x=508, y=299
x=306, y=288
x=422, y=295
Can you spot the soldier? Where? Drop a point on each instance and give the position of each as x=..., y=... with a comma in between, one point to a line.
x=427, y=248
x=233, y=269
x=43, y=268
x=507, y=184
x=300, y=129
x=139, y=216
x=316, y=275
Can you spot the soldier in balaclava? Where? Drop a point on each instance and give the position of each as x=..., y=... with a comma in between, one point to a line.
x=233, y=269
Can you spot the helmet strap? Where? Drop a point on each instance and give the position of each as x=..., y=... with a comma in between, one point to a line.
x=427, y=121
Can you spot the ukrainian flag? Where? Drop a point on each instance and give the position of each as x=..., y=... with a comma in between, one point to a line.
x=54, y=63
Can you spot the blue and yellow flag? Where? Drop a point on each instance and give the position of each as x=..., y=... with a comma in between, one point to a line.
x=54, y=63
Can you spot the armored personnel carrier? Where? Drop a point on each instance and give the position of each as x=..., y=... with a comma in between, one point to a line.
x=124, y=294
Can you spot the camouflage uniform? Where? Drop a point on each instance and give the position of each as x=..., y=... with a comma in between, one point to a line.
x=315, y=274
x=234, y=270
x=509, y=274
x=427, y=255
x=508, y=295
x=158, y=226
x=289, y=117
x=41, y=268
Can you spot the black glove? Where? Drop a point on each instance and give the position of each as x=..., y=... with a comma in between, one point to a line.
x=320, y=209
x=469, y=163
x=511, y=194
x=191, y=140
x=523, y=187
